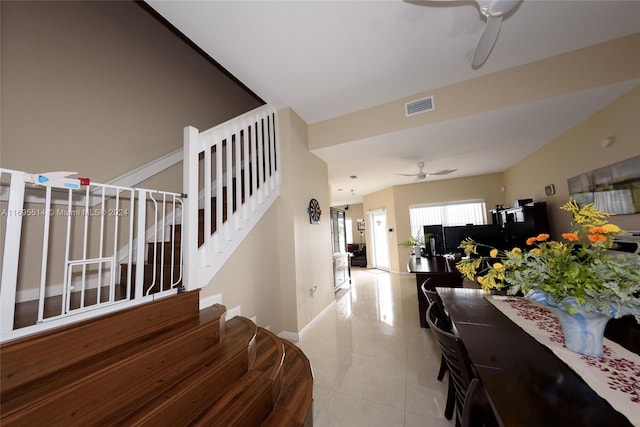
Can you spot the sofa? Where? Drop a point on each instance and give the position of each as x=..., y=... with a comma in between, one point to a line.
x=358, y=255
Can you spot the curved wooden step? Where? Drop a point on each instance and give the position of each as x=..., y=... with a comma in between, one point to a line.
x=251, y=399
x=295, y=405
x=185, y=400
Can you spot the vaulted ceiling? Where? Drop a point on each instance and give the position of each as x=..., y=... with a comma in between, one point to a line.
x=347, y=68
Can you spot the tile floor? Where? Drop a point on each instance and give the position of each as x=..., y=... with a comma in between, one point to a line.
x=373, y=365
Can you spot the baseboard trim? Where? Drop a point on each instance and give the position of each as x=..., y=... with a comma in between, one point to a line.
x=297, y=336
x=209, y=301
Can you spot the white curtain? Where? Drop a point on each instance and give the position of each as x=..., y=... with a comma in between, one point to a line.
x=614, y=201
x=448, y=215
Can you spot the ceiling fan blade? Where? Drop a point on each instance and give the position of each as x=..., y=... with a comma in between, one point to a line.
x=487, y=40
x=443, y=172
x=408, y=174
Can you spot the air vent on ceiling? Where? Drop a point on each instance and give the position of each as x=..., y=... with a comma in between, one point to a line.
x=419, y=106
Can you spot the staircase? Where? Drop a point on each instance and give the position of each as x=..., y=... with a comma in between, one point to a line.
x=161, y=363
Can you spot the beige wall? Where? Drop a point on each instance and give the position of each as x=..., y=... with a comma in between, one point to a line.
x=250, y=278
x=101, y=88
x=578, y=151
x=306, y=256
x=398, y=199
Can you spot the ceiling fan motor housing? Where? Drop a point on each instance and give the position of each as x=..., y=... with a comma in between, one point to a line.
x=497, y=8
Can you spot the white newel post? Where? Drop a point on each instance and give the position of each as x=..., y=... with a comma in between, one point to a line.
x=190, y=209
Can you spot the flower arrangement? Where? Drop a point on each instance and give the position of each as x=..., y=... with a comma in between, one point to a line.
x=579, y=266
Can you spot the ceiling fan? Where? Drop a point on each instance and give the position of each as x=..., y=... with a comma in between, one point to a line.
x=422, y=174
x=494, y=10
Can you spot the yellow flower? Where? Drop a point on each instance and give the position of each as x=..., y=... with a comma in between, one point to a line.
x=485, y=283
x=611, y=228
x=563, y=268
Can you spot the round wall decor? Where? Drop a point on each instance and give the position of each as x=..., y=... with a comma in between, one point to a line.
x=314, y=211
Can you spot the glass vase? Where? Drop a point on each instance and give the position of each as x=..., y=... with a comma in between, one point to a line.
x=583, y=331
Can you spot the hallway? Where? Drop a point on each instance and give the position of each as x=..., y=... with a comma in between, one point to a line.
x=373, y=364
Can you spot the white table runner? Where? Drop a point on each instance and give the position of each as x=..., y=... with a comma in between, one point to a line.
x=615, y=376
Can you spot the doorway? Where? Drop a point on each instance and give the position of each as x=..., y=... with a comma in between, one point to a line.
x=379, y=239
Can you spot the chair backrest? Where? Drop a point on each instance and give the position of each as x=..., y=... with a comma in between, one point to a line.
x=454, y=352
x=443, y=319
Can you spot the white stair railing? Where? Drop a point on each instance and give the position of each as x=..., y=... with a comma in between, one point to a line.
x=235, y=171
x=79, y=251
x=91, y=239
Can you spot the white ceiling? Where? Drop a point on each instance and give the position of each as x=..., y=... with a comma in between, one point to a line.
x=328, y=58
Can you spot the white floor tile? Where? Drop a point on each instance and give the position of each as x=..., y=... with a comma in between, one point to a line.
x=373, y=365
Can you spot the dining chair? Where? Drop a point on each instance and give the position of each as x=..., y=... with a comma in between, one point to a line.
x=461, y=374
x=477, y=407
x=444, y=322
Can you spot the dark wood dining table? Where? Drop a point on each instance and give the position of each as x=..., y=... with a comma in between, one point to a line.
x=527, y=384
x=436, y=271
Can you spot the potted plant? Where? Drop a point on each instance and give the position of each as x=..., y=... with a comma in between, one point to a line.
x=416, y=242
x=577, y=278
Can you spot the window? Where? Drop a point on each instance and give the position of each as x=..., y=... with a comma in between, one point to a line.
x=349, y=225
x=449, y=214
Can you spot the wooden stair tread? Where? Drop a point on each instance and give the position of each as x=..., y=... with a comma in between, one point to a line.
x=186, y=403
x=169, y=249
x=169, y=275
x=183, y=400
x=51, y=384
x=251, y=399
x=248, y=400
x=137, y=375
x=89, y=338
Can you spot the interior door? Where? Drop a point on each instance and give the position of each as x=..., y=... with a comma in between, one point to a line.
x=379, y=239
